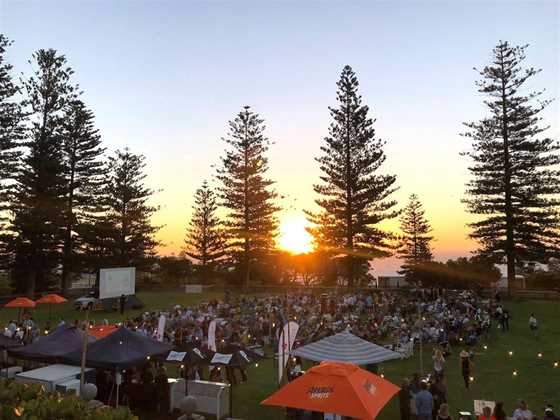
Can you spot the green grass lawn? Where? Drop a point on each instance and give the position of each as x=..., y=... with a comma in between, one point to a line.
x=537, y=381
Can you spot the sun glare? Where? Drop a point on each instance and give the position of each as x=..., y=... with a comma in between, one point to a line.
x=293, y=236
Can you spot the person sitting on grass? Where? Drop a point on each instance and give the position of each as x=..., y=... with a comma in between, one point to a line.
x=443, y=413
x=549, y=413
x=486, y=414
x=534, y=325
x=522, y=412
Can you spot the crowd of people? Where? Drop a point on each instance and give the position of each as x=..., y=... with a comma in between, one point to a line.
x=445, y=319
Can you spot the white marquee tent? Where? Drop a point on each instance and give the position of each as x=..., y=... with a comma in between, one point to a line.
x=345, y=347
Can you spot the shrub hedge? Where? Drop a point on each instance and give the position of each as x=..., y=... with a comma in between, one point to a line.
x=29, y=402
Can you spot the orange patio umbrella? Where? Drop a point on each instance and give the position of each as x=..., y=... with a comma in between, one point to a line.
x=101, y=331
x=51, y=299
x=20, y=302
x=338, y=388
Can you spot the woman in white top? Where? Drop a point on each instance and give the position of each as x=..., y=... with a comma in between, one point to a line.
x=439, y=362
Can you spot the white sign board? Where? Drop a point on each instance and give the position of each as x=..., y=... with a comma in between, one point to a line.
x=114, y=282
x=176, y=356
x=221, y=358
x=480, y=404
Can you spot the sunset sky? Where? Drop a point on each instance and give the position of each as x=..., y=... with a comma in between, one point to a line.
x=164, y=77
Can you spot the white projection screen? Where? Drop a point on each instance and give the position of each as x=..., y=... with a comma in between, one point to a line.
x=114, y=282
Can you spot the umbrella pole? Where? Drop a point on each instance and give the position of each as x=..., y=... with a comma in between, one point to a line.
x=118, y=381
x=50, y=311
x=84, y=352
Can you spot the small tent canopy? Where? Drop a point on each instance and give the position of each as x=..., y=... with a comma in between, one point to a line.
x=190, y=355
x=122, y=349
x=52, y=347
x=345, y=347
x=234, y=356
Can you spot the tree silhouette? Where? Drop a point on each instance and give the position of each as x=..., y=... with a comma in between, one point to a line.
x=85, y=173
x=246, y=193
x=12, y=131
x=354, y=196
x=515, y=179
x=415, y=242
x=41, y=186
x=205, y=240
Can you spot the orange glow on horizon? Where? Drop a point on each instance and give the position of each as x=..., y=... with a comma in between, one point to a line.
x=293, y=236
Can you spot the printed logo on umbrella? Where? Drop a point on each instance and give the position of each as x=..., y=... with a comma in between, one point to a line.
x=369, y=387
x=320, y=393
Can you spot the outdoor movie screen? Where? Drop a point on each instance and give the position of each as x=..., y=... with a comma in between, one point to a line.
x=114, y=282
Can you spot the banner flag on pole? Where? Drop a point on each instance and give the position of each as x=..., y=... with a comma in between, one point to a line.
x=212, y=335
x=161, y=328
x=285, y=344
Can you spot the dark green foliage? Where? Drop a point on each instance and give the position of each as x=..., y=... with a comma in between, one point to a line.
x=354, y=196
x=29, y=401
x=173, y=269
x=415, y=245
x=515, y=178
x=462, y=273
x=205, y=241
x=125, y=236
x=40, y=195
x=84, y=173
x=11, y=135
x=246, y=193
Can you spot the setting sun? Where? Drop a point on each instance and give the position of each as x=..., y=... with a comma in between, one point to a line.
x=293, y=236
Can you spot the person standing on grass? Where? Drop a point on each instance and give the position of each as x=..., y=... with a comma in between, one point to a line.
x=466, y=367
x=534, y=325
x=522, y=412
x=122, y=303
x=439, y=362
x=505, y=320
x=424, y=403
x=404, y=399
x=499, y=412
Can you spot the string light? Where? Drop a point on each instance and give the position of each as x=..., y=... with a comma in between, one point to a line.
x=515, y=372
x=182, y=366
x=382, y=375
x=539, y=355
x=471, y=378
x=510, y=353
x=485, y=347
x=256, y=365
x=555, y=364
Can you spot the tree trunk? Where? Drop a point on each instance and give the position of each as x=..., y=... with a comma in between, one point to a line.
x=509, y=248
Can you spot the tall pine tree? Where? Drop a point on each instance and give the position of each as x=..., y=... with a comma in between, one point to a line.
x=39, y=214
x=84, y=172
x=515, y=178
x=415, y=242
x=354, y=196
x=126, y=233
x=246, y=193
x=12, y=132
x=205, y=240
